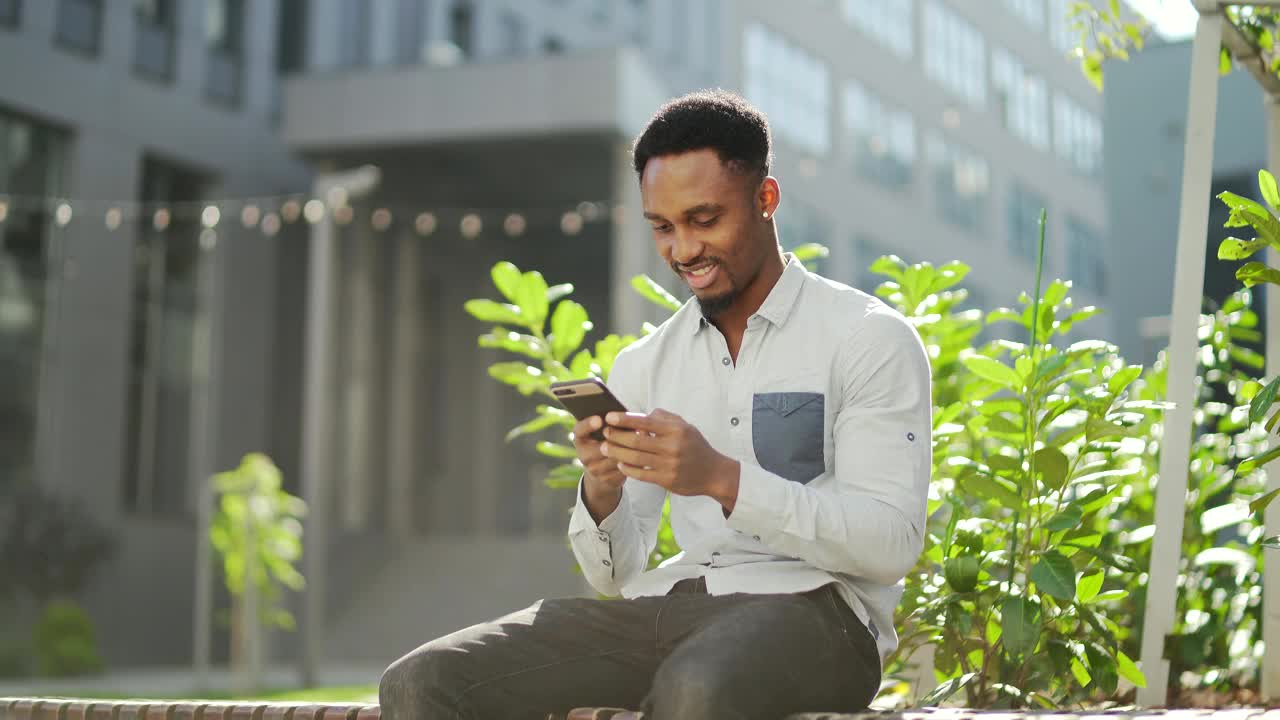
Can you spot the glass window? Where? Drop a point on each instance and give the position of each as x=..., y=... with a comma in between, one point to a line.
x=224, y=36
x=800, y=223
x=791, y=86
x=462, y=28
x=354, y=33
x=955, y=54
x=1024, y=221
x=154, y=23
x=879, y=139
x=1062, y=35
x=1086, y=266
x=291, y=36
x=79, y=25
x=961, y=181
x=1029, y=11
x=166, y=266
x=410, y=31
x=1077, y=135
x=1021, y=97
x=889, y=22
x=514, y=34
x=10, y=13
x=31, y=166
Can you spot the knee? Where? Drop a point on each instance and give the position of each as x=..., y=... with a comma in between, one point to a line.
x=418, y=684
x=690, y=690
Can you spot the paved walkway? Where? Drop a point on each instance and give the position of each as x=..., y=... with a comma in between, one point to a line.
x=169, y=682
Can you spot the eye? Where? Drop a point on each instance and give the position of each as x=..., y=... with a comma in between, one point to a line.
x=706, y=223
x=662, y=229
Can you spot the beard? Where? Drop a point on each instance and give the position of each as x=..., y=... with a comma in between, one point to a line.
x=712, y=307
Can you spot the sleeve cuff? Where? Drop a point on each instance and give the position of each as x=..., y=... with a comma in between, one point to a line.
x=581, y=520
x=763, y=499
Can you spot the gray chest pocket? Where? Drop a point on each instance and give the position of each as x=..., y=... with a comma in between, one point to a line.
x=787, y=431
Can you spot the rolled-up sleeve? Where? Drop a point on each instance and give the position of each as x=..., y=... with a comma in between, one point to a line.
x=868, y=518
x=617, y=550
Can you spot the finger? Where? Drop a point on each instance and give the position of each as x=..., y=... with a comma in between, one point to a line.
x=626, y=455
x=642, y=441
x=583, y=428
x=639, y=422
x=643, y=474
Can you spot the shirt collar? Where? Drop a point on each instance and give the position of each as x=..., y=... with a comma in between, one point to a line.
x=777, y=307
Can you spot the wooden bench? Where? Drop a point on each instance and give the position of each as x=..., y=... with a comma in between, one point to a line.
x=62, y=709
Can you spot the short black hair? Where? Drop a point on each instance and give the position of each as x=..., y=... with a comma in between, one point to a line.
x=708, y=119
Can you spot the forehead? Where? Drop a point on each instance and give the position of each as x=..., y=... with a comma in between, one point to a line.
x=671, y=183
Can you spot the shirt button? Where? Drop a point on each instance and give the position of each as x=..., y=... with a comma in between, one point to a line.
x=604, y=536
x=725, y=362
x=733, y=421
x=756, y=538
x=606, y=563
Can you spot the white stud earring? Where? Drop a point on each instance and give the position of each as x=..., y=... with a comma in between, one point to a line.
x=765, y=214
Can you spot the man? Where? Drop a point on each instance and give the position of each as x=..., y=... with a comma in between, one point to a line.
x=787, y=419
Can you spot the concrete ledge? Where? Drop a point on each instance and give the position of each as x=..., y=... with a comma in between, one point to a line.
x=65, y=709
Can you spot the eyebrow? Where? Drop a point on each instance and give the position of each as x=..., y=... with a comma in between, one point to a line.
x=695, y=210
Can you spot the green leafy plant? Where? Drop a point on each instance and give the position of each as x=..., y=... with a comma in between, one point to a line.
x=548, y=330
x=1260, y=218
x=1033, y=443
x=1103, y=33
x=257, y=531
x=64, y=641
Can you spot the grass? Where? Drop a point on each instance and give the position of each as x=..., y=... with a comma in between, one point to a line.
x=333, y=694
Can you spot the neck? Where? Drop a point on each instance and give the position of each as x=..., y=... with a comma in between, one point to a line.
x=732, y=323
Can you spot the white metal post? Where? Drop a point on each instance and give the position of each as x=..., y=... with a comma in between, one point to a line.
x=1175, y=453
x=406, y=352
x=205, y=383
x=1271, y=563
x=317, y=420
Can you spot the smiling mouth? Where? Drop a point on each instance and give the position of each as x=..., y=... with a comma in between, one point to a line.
x=701, y=276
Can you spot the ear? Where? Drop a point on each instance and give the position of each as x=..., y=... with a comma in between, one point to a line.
x=768, y=196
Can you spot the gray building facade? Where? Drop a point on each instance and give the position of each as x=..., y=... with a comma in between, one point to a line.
x=933, y=129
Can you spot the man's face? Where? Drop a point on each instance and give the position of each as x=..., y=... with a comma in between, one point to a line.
x=705, y=225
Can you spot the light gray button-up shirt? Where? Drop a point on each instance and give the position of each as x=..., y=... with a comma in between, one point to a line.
x=828, y=410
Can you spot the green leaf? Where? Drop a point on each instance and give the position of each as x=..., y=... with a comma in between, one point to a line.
x=1263, y=401
x=1054, y=574
x=1234, y=248
x=1224, y=62
x=532, y=299
x=495, y=312
x=1067, y=519
x=1258, y=461
x=962, y=573
x=537, y=424
x=1109, y=595
x=515, y=342
x=1102, y=667
x=1267, y=184
x=1272, y=542
x=1019, y=625
x=1119, y=562
x=1089, y=585
x=1053, y=466
x=555, y=292
x=810, y=251
x=1254, y=273
x=1117, y=383
x=518, y=374
x=569, y=325
x=1129, y=670
x=1081, y=674
x=946, y=690
x=993, y=370
x=990, y=488
x=654, y=292
x=1259, y=504
x=557, y=450
x=508, y=279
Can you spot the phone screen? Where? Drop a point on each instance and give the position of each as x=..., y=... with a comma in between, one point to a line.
x=587, y=398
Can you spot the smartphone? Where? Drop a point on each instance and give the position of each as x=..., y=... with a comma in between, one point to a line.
x=587, y=398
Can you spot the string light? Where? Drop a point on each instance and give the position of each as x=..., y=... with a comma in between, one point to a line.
x=381, y=219
x=210, y=217
x=4, y=211
x=338, y=196
x=112, y=219
x=425, y=223
x=343, y=214
x=571, y=223
x=514, y=224
x=588, y=210
x=470, y=225
x=313, y=211
x=290, y=211
x=619, y=214
x=62, y=215
x=250, y=215
x=270, y=224
x=160, y=220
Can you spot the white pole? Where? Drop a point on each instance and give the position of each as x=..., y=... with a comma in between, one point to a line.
x=1271, y=569
x=317, y=419
x=406, y=350
x=204, y=404
x=1175, y=454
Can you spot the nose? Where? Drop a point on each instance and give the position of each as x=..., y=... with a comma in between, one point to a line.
x=685, y=247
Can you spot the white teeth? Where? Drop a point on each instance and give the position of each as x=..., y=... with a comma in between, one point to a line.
x=701, y=271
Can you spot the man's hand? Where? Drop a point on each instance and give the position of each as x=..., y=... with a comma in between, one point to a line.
x=602, y=483
x=661, y=448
